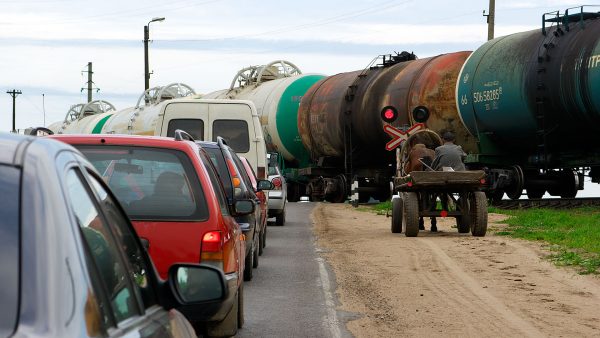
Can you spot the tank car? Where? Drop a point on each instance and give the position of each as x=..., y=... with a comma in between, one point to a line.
x=532, y=102
x=340, y=124
x=276, y=89
x=101, y=117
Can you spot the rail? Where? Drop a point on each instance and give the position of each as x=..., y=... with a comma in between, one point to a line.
x=555, y=203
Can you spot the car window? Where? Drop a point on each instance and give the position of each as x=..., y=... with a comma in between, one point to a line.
x=217, y=158
x=104, y=251
x=250, y=172
x=235, y=133
x=242, y=170
x=215, y=181
x=9, y=248
x=150, y=183
x=194, y=127
x=126, y=239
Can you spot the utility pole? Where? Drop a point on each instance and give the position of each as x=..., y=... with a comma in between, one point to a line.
x=490, y=19
x=14, y=94
x=146, y=63
x=90, y=83
x=44, y=107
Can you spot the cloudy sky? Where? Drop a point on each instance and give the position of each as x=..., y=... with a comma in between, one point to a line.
x=45, y=45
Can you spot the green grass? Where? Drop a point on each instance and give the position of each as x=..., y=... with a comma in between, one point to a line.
x=573, y=235
x=379, y=208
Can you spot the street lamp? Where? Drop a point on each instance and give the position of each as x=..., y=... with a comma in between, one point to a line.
x=146, y=38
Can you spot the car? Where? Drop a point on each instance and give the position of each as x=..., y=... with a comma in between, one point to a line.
x=178, y=208
x=262, y=196
x=72, y=265
x=233, y=177
x=277, y=196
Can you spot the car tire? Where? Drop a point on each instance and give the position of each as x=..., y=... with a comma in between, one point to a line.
x=240, y=321
x=280, y=219
x=256, y=252
x=248, y=264
x=229, y=326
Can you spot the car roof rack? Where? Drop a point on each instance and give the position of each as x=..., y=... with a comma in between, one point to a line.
x=182, y=135
x=221, y=141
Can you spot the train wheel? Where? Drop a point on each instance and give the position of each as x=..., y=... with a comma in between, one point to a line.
x=515, y=190
x=463, y=222
x=410, y=214
x=495, y=196
x=570, y=184
x=535, y=193
x=478, y=213
x=396, y=215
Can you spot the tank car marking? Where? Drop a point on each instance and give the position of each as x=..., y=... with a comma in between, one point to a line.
x=98, y=128
x=287, y=124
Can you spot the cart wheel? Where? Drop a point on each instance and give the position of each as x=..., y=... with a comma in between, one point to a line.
x=463, y=222
x=397, y=215
x=478, y=213
x=410, y=214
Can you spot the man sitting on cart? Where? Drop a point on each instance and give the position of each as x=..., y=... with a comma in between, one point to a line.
x=449, y=154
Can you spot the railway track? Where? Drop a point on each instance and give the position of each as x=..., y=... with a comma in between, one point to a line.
x=555, y=203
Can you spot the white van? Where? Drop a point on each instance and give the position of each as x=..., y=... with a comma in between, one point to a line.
x=235, y=120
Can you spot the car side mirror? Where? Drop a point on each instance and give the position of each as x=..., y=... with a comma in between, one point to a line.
x=243, y=207
x=265, y=185
x=193, y=283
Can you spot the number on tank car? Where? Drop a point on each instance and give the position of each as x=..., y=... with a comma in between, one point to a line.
x=487, y=95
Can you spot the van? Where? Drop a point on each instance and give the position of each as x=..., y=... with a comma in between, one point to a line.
x=236, y=121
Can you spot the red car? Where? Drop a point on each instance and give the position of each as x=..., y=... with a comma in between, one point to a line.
x=178, y=208
x=263, y=202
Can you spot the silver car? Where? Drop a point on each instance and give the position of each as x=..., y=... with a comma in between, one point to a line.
x=278, y=195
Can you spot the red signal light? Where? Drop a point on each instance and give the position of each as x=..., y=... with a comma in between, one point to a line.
x=389, y=114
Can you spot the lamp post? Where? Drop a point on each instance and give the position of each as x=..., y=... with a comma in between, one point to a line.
x=146, y=38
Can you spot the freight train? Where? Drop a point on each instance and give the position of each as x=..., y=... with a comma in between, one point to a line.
x=525, y=107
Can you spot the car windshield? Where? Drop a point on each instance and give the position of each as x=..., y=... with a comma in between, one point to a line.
x=9, y=248
x=150, y=183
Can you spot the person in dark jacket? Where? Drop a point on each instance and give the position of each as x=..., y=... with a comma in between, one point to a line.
x=449, y=154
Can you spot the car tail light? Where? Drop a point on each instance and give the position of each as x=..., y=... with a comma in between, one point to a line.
x=276, y=182
x=212, y=249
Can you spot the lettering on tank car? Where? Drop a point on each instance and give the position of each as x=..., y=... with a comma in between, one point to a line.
x=296, y=98
x=594, y=61
x=487, y=95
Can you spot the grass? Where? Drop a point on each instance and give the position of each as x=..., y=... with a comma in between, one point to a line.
x=379, y=208
x=573, y=235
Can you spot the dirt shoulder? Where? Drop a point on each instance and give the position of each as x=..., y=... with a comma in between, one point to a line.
x=450, y=284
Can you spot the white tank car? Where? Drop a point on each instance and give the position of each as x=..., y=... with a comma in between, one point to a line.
x=83, y=118
x=101, y=117
x=276, y=90
x=142, y=118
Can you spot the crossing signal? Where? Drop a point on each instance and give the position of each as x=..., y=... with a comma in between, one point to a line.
x=389, y=114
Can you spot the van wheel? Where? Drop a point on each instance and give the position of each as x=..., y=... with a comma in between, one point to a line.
x=249, y=262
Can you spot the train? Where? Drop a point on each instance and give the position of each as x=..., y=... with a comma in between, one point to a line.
x=523, y=106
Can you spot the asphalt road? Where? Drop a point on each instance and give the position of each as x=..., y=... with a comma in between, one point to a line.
x=292, y=292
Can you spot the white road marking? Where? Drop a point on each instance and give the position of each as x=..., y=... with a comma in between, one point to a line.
x=330, y=321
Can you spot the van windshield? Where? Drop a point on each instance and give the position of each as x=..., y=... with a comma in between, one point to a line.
x=150, y=183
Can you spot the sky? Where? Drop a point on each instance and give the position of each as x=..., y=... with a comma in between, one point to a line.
x=45, y=45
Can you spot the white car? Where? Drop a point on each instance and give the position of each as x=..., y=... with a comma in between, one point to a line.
x=278, y=195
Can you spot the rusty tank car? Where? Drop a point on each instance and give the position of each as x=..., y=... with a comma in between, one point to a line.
x=340, y=125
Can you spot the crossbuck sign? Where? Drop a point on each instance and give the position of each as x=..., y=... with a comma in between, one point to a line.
x=399, y=136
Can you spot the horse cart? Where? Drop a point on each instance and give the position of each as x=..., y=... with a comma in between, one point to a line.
x=420, y=192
